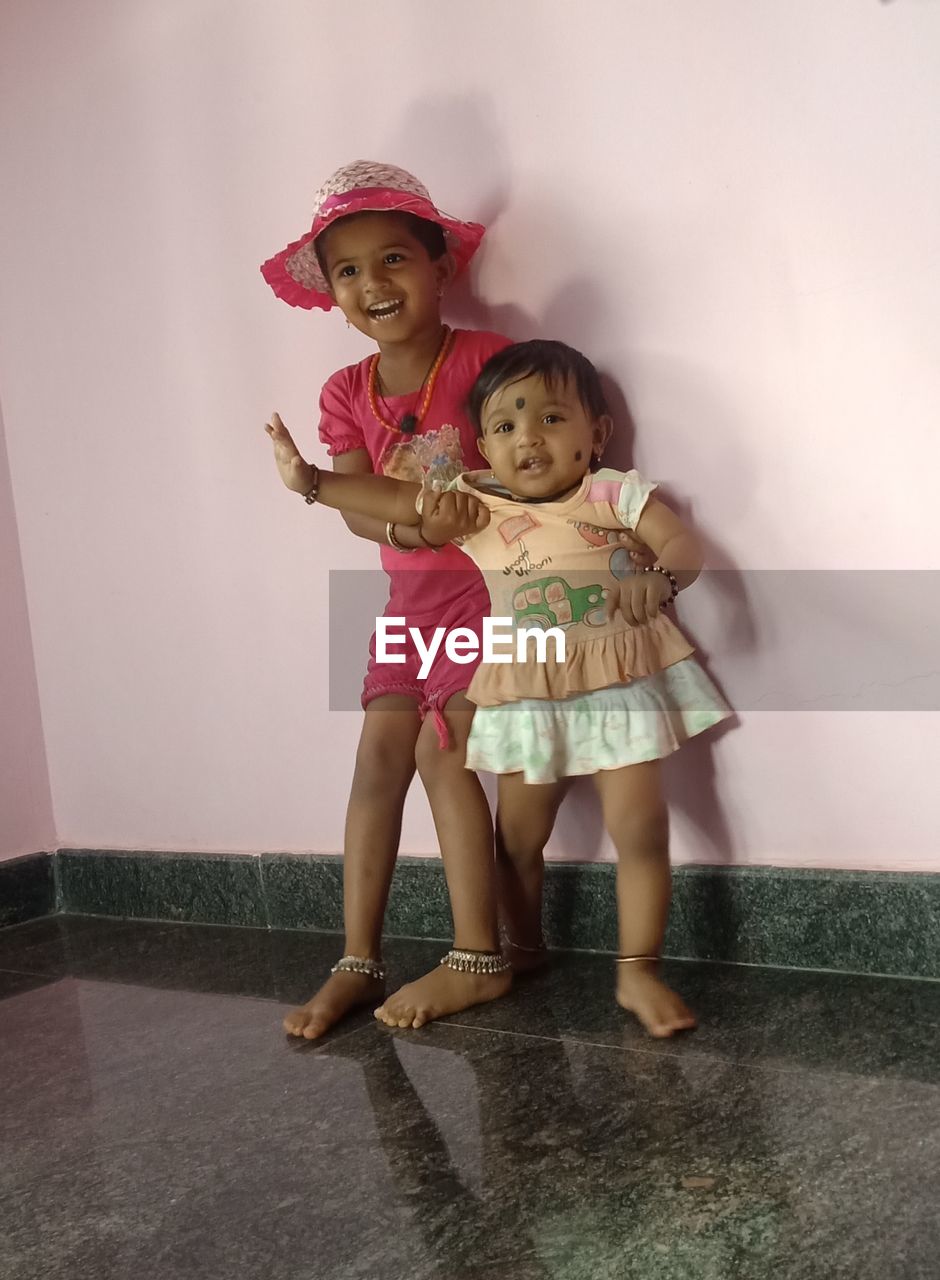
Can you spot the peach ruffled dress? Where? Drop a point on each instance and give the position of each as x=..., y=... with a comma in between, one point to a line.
x=621, y=694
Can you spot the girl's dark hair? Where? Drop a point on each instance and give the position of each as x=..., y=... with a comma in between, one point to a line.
x=428, y=234
x=555, y=362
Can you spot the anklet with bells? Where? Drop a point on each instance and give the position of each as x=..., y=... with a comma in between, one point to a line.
x=479, y=962
x=360, y=964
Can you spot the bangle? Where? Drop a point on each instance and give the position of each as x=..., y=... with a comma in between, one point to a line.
x=431, y=546
x=393, y=541
x=658, y=568
x=310, y=496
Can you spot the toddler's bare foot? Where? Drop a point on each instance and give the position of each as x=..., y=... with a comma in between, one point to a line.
x=440, y=992
x=339, y=995
x=661, y=1011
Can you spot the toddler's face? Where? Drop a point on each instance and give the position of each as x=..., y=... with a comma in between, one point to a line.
x=539, y=438
x=382, y=277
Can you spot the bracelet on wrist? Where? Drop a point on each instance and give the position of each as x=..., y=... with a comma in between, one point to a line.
x=310, y=496
x=431, y=546
x=393, y=542
x=658, y=568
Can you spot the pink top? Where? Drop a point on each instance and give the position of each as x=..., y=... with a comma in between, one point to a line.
x=423, y=584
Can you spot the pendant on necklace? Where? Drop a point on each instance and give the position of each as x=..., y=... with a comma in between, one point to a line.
x=408, y=424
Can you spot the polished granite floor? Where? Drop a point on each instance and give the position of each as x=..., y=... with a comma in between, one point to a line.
x=155, y=1122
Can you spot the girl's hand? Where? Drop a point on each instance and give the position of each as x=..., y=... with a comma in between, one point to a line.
x=447, y=517
x=639, y=598
x=296, y=474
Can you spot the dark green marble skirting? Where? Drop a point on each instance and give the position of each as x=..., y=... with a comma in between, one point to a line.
x=27, y=888
x=855, y=921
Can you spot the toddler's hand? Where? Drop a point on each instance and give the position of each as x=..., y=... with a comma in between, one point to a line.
x=447, y=517
x=640, y=554
x=296, y=474
x=639, y=597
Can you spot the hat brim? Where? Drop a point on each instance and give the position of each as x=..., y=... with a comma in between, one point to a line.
x=295, y=275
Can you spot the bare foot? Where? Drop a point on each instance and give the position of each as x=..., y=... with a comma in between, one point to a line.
x=339, y=995
x=438, y=993
x=661, y=1011
x=528, y=960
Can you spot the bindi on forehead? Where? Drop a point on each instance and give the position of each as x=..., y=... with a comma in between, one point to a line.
x=520, y=402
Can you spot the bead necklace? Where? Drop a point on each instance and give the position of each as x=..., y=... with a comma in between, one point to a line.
x=411, y=421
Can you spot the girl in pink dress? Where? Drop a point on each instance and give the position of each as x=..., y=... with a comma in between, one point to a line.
x=381, y=252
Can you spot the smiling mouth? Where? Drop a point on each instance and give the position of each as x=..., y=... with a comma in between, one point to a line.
x=385, y=310
x=533, y=466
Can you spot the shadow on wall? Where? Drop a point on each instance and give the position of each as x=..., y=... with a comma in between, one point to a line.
x=580, y=313
x=473, y=144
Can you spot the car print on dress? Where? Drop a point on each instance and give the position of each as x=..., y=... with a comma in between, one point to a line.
x=553, y=602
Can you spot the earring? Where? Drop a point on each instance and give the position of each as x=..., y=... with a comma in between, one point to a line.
x=348, y=325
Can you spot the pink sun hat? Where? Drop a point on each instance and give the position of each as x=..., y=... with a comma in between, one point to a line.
x=295, y=275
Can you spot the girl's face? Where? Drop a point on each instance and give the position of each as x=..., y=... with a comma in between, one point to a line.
x=539, y=439
x=382, y=277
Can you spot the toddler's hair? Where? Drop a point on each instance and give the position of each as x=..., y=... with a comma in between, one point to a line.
x=554, y=362
x=428, y=234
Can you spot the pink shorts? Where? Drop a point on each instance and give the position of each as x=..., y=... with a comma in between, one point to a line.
x=444, y=677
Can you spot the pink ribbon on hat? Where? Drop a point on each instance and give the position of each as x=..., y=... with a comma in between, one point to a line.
x=332, y=204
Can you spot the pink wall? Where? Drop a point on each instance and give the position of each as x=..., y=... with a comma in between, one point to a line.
x=26, y=821
x=732, y=207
